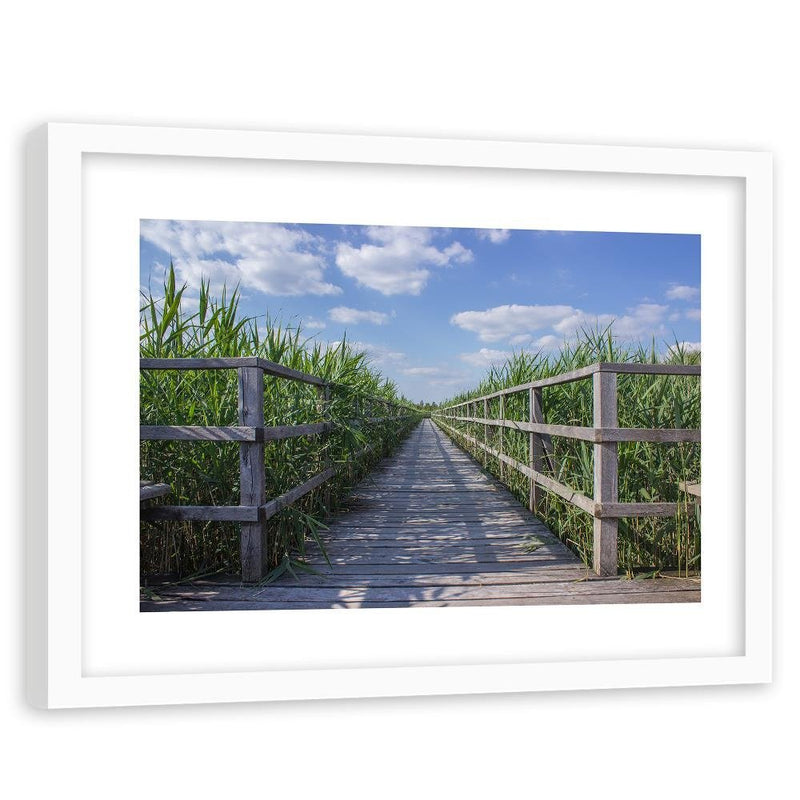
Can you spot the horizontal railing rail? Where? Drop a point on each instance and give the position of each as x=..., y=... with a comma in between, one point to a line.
x=604, y=434
x=251, y=434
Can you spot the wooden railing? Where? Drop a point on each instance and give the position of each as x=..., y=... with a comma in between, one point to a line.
x=251, y=433
x=605, y=434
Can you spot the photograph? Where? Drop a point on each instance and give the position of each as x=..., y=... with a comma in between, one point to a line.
x=359, y=416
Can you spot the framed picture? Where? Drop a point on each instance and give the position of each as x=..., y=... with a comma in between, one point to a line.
x=434, y=366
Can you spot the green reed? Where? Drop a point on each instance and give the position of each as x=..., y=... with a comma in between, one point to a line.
x=207, y=473
x=647, y=472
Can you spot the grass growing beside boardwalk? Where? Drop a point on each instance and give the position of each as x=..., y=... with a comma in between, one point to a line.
x=647, y=472
x=206, y=473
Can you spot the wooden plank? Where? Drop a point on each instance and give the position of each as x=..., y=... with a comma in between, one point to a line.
x=585, y=372
x=208, y=433
x=594, y=435
x=237, y=433
x=260, y=605
x=252, y=474
x=571, y=495
x=690, y=488
x=324, y=397
x=565, y=377
x=200, y=513
x=612, y=510
x=654, y=435
x=648, y=369
x=279, y=432
x=464, y=568
x=606, y=466
x=150, y=491
x=268, y=367
x=501, y=448
x=535, y=448
x=392, y=594
x=271, y=508
x=429, y=529
x=196, y=363
x=485, y=433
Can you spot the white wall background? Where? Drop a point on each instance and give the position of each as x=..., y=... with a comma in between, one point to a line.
x=717, y=75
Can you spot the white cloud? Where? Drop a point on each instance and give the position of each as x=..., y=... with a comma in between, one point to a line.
x=494, y=235
x=503, y=322
x=353, y=316
x=644, y=319
x=518, y=324
x=548, y=342
x=679, y=292
x=378, y=355
x=397, y=259
x=312, y=323
x=521, y=339
x=421, y=371
x=693, y=313
x=485, y=357
x=274, y=259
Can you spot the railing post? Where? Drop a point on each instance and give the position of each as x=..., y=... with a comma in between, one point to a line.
x=485, y=433
x=324, y=402
x=252, y=475
x=536, y=446
x=606, y=467
x=502, y=435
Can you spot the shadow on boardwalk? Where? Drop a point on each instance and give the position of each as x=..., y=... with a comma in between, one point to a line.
x=428, y=527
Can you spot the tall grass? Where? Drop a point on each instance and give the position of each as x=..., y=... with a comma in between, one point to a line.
x=647, y=472
x=206, y=473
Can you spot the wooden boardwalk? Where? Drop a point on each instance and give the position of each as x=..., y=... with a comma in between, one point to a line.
x=428, y=527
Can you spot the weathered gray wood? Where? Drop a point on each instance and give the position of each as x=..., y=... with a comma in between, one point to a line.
x=325, y=458
x=211, y=433
x=690, y=488
x=655, y=435
x=200, y=513
x=196, y=363
x=392, y=594
x=606, y=465
x=150, y=491
x=594, y=435
x=271, y=508
x=279, y=432
x=610, y=510
x=265, y=605
x=206, y=433
x=252, y=474
x=565, y=377
x=587, y=504
x=268, y=367
x=648, y=369
x=485, y=433
x=535, y=447
x=468, y=543
x=502, y=421
x=585, y=372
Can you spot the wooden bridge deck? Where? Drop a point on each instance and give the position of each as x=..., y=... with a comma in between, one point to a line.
x=429, y=527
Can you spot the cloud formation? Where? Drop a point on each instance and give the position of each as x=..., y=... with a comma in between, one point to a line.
x=679, y=292
x=494, y=235
x=354, y=316
x=396, y=260
x=263, y=257
x=486, y=357
x=520, y=324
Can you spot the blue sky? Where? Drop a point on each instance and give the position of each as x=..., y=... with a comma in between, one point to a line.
x=434, y=307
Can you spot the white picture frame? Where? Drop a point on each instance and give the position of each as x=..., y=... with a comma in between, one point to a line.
x=84, y=184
